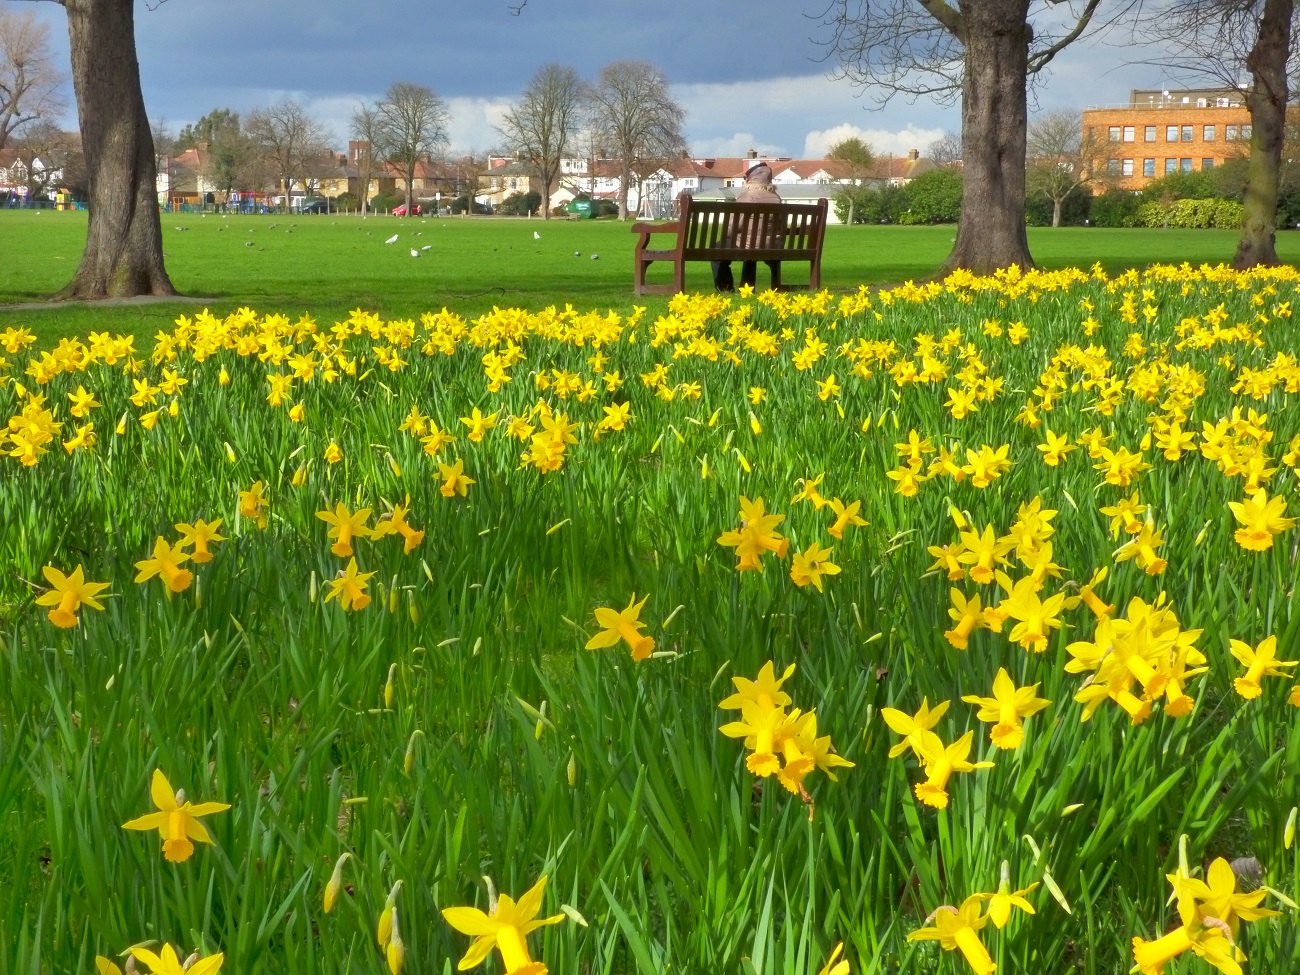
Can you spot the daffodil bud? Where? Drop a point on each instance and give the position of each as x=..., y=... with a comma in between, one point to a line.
x=412, y=610
x=230, y=453
x=408, y=762
x=396, y=953
x=572, y=770
x=224, y=377
x=1288, y=834
x=335, y=882
x=389, y=689
x=189, y=962
x=394, y=594
x=311, y=589
x=393, y=466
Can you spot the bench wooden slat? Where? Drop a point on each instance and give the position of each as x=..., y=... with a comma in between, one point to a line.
x=731, y=231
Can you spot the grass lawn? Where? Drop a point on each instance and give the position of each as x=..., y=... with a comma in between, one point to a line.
x=325, y=265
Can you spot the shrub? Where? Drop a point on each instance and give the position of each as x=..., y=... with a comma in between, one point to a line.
x=1114, y=208
x=934, y=197
x=386, y=201
x=521, y=204
x=1191, y=214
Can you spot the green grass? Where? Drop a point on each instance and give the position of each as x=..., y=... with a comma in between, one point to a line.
x=328, y=265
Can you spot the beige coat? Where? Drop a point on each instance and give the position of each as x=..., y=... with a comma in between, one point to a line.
x=758, y=193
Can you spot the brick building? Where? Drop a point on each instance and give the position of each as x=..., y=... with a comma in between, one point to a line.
x=1160, y=132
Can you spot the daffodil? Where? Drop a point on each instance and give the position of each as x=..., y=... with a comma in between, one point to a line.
x=834, y=964
x=764, y=690
x=254, y=504
x=623, y=625
x=1006, y=709
x=1000, y=903
x=169, y=963
x=67, y=594
x=912, y=726
x=344, y=526
x=808, y=567
x=1260, y=662
x=957, y=929
x=505, y=929
x=757, y=535
x=845, y=515
x=940, y=762
x=454, y=479
x=177, y=819
x=200, y=535
x=349, y=588
x=165, y=563
x=1261, y=519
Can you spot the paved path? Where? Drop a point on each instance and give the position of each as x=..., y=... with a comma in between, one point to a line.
x=110, y=302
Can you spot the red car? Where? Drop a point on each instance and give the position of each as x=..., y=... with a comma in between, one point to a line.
x=401, y=211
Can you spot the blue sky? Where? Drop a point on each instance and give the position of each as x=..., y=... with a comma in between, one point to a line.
x=748, y=73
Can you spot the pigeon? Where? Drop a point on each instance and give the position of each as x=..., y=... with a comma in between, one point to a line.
x=248, y=243
x=426, y=247
x=414, y=252
x=391, y=240
x=595, y=257
x=536, y=235
x=577, y=253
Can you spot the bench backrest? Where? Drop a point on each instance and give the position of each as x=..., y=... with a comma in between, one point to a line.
x=794, y=229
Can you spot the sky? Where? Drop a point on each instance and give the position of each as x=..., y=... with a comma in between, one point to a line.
x=751, y=75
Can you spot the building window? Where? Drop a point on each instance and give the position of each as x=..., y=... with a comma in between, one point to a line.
x=1171, y=133
x=1207, y=163
x=1187, y=133
x=1171, y=165
x=1207, y=134
x=1113, y=133
x=1245, y=133
x=1150, y=133
x=1230, y=133
x=1185, y=165
x=1148, y=167
x=1112, y=166
x=1128, y=133
x=1127, y=168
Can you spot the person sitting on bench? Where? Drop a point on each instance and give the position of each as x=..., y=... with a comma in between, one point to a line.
x=758, y=189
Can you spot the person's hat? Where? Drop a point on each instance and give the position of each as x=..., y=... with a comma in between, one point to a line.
x=762, y=173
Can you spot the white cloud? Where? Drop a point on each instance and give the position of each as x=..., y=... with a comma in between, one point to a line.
x=733, y=145
x=883, y=142
x=474, y=122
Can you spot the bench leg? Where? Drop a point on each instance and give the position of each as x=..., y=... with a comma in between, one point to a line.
x=679, y=276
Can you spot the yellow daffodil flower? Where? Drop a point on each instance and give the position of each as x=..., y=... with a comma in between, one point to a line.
x=177, y=820
x=67, y=594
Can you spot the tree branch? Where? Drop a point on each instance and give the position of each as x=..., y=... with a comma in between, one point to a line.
x=949, y=17
x=1042, y=58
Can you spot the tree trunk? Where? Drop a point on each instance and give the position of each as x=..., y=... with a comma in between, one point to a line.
x=1267, y=103
x=625, y=177
x=853, y=201
x=123, y=255
x=410, y=189
x=546, y=198
x=991, y=232
x=1056, y=211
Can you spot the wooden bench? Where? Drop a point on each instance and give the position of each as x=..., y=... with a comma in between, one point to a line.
x=731, y=231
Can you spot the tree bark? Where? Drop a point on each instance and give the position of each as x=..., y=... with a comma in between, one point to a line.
x=123, y=255
x=624, y=181
x=991, y=231
x=1267, y=103
x=1056, y=211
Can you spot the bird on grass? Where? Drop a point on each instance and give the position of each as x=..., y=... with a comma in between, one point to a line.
x=391, y=240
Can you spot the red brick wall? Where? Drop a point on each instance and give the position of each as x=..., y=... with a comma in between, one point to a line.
x=1099, y=122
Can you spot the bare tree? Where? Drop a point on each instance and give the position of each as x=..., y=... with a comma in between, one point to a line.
x=1061, y=159
x=541, y=124
x=635, y=116
x=856, y=159
x=164, y=142
x=366, y=136
x=945, y=151
x=289, y=139
x=29, y=82
x=412, y=128
x=987, y=50
x=1214, y=40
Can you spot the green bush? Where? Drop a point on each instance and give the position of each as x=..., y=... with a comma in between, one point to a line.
x=1075, y=209
x=386, y=201
x=521, y=204
x=1191, y=214
x=934, y=197
x=1114, y=208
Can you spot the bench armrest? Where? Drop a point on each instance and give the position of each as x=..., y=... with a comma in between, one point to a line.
x=674, y=227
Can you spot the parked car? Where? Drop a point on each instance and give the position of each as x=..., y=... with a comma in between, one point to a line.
x=316, y=206
x=401, y=211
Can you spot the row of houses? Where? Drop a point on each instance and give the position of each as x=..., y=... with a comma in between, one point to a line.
x=184, y=178
x=23, y=174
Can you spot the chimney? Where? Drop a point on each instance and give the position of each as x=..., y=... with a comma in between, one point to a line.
x=913, y=154
x=752, y=154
